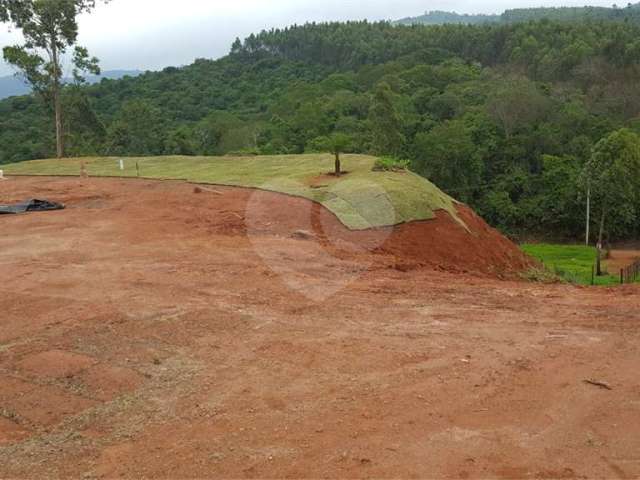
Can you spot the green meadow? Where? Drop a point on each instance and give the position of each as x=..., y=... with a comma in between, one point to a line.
x=573, y=263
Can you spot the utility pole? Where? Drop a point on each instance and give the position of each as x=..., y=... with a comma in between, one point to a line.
x=588, y=211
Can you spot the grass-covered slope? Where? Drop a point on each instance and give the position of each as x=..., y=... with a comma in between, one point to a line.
x=361, y=199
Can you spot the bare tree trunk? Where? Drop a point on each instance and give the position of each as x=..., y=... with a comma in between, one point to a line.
x=338, y=166
x=588, y=214
x=59, y=138
x=57, y=103
x=600, y=238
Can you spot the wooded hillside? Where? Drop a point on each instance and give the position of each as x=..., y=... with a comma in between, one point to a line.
x=503, y=117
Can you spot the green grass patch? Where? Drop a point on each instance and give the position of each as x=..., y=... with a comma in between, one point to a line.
x=572, y=263
x=390, y=164
x=362, y=199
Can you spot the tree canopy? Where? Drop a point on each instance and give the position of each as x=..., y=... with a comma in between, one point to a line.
x=566, y=14
x=613, y=172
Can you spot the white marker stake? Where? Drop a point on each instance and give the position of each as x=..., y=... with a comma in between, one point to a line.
x=121, y=164
x=1, y=175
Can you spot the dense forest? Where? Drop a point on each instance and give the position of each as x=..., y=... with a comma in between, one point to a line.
x=565, y=14
x=502, y=116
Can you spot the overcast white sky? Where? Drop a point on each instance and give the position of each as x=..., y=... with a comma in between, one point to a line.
x=152, y=34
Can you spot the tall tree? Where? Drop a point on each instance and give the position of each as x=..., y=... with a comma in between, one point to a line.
x=614, y=175
x=84, y=131
x=137, y=130
x=517, y=103
x=337, y=144
x=49, y=28
x=448, y=156
x=385, y=122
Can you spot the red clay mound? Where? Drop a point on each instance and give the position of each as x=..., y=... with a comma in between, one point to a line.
x=151, y=209
x=441, y=243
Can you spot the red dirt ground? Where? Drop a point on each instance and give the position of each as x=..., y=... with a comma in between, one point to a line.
x=620, y=258
x=147, y=331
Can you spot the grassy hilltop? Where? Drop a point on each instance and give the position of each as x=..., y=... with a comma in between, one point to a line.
x=361, y=199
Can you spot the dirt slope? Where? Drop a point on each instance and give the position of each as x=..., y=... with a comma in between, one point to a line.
x=441, y=243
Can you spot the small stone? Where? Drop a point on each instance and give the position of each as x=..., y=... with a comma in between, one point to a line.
x=303, y=235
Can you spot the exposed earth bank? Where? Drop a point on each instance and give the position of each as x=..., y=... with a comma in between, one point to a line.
x=442, y=243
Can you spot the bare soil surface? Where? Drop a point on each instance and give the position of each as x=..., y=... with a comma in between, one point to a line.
x=152, y=332
x=620, y=258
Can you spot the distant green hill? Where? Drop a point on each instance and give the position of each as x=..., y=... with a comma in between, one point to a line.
x=12, y=85
x=438, y=17
x=568, y=14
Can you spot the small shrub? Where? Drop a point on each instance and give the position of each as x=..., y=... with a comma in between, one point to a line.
x=541, y=275
x=245, y=152
x=390, y=164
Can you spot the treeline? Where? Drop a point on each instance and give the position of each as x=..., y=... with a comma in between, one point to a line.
x=504, y=117
x=439, y=17
x=630, y=12
x=562, y=14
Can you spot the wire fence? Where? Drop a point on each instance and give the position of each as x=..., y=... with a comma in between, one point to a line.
x=630, y=274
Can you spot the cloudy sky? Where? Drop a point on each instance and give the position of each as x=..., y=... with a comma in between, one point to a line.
x=152, y=34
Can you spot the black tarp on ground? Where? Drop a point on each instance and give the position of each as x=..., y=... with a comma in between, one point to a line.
x=33, y=205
